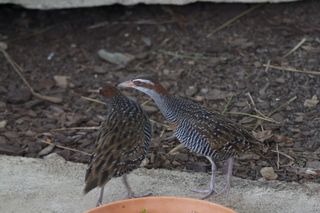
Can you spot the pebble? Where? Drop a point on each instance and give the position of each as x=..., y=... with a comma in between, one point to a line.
x=10, y=135
x=216, y=94
x=2, y=104
x=18, y=96
x=313, y=164
x=46, y=150
x=115, y=58
x=268, y=173
x=3, y=123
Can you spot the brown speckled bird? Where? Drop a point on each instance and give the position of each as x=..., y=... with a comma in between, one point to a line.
x=122, y=142
x=205, y=132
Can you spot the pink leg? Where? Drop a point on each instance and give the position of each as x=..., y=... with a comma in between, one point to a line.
x=129, y=191
x=229, y=175
x=213, y=176
x=100, y=196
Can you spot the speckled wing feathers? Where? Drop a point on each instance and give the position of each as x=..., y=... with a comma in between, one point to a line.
x=222, y=134
x=121, y=145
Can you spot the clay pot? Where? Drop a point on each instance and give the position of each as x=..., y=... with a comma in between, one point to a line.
x=162, y=205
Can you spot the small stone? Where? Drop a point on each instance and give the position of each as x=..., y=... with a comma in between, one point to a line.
x=216, y=94
x=268, y=173
x=146, y=41
x=116, y=58
x=11, y=135
x=277, y=117
x=61, y=80
x=3, y=123
x=191, y=91
x=280, y=80
x=299, y=119
x=313, y=164
x=182, y=157
x=176, y=163
x=2, y=104
x=46, y=84
x=18, y=96
x=99, y=69
x=46, y=150
x=257, y=64
x=144, y=162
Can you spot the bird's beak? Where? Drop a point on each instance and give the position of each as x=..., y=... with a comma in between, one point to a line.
x=126, y=84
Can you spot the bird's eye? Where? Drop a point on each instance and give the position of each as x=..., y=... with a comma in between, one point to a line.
x=138, y=83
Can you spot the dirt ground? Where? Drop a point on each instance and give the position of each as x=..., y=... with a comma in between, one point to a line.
x=232, y=70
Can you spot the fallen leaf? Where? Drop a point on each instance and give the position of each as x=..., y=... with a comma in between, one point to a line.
x=311, y=102
x=281, y=138
x=263, y=135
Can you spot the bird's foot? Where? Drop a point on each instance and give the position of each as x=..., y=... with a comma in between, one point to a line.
x=99, y=203
x=208, y=192
x=224, y=190
x=130, y=195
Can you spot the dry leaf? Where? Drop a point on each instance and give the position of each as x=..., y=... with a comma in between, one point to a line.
x=281, y=138
x=263, y=135
x=311, y=102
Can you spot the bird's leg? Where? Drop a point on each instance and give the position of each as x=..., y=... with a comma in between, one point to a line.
x=213, y=176
x=129, y=191
x=229, y=175
x=100, y=196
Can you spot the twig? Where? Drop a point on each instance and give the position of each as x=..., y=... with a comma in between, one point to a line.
x=283, y=105
x=75, y=128
x=93, y=100
x=277, y=109
x=234, y=19
x=296, y=47
x=147, y=101
x=18, y=70
x=192, y=57
x=267, y=66
x=278, y=155
x=64, y=147
x=175, y=149
x=227, y=105
x=156, y=122
x=250, y=115
x=282, y=153
x=291, y=70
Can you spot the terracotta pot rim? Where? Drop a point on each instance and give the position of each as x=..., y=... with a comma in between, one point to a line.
x=162, y=199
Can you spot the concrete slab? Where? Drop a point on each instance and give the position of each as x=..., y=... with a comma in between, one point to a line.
x=54, y=185
x=59, y=4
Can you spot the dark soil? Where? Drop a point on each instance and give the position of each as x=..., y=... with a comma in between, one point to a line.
x=171, y=42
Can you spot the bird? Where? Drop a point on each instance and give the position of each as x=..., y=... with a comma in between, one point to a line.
x=203, y=131
x=122, y=142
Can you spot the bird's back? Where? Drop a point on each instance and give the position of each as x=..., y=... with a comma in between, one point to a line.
x=121, y=144
x=207, y=132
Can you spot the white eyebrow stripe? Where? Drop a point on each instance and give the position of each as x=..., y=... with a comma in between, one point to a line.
x=144, y=81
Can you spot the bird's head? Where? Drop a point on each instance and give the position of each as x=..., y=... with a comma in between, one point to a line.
x=108, y=91
x=146, y=84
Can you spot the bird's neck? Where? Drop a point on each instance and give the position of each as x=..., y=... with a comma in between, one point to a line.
x=168, y=106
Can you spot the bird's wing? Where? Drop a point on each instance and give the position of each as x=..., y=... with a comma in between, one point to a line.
x=222, y=134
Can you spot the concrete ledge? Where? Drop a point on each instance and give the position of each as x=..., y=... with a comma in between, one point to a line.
x=54, y=185
x=58, y=4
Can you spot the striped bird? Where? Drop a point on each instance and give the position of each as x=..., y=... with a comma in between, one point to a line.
x=205, y=132
x=122, y=142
